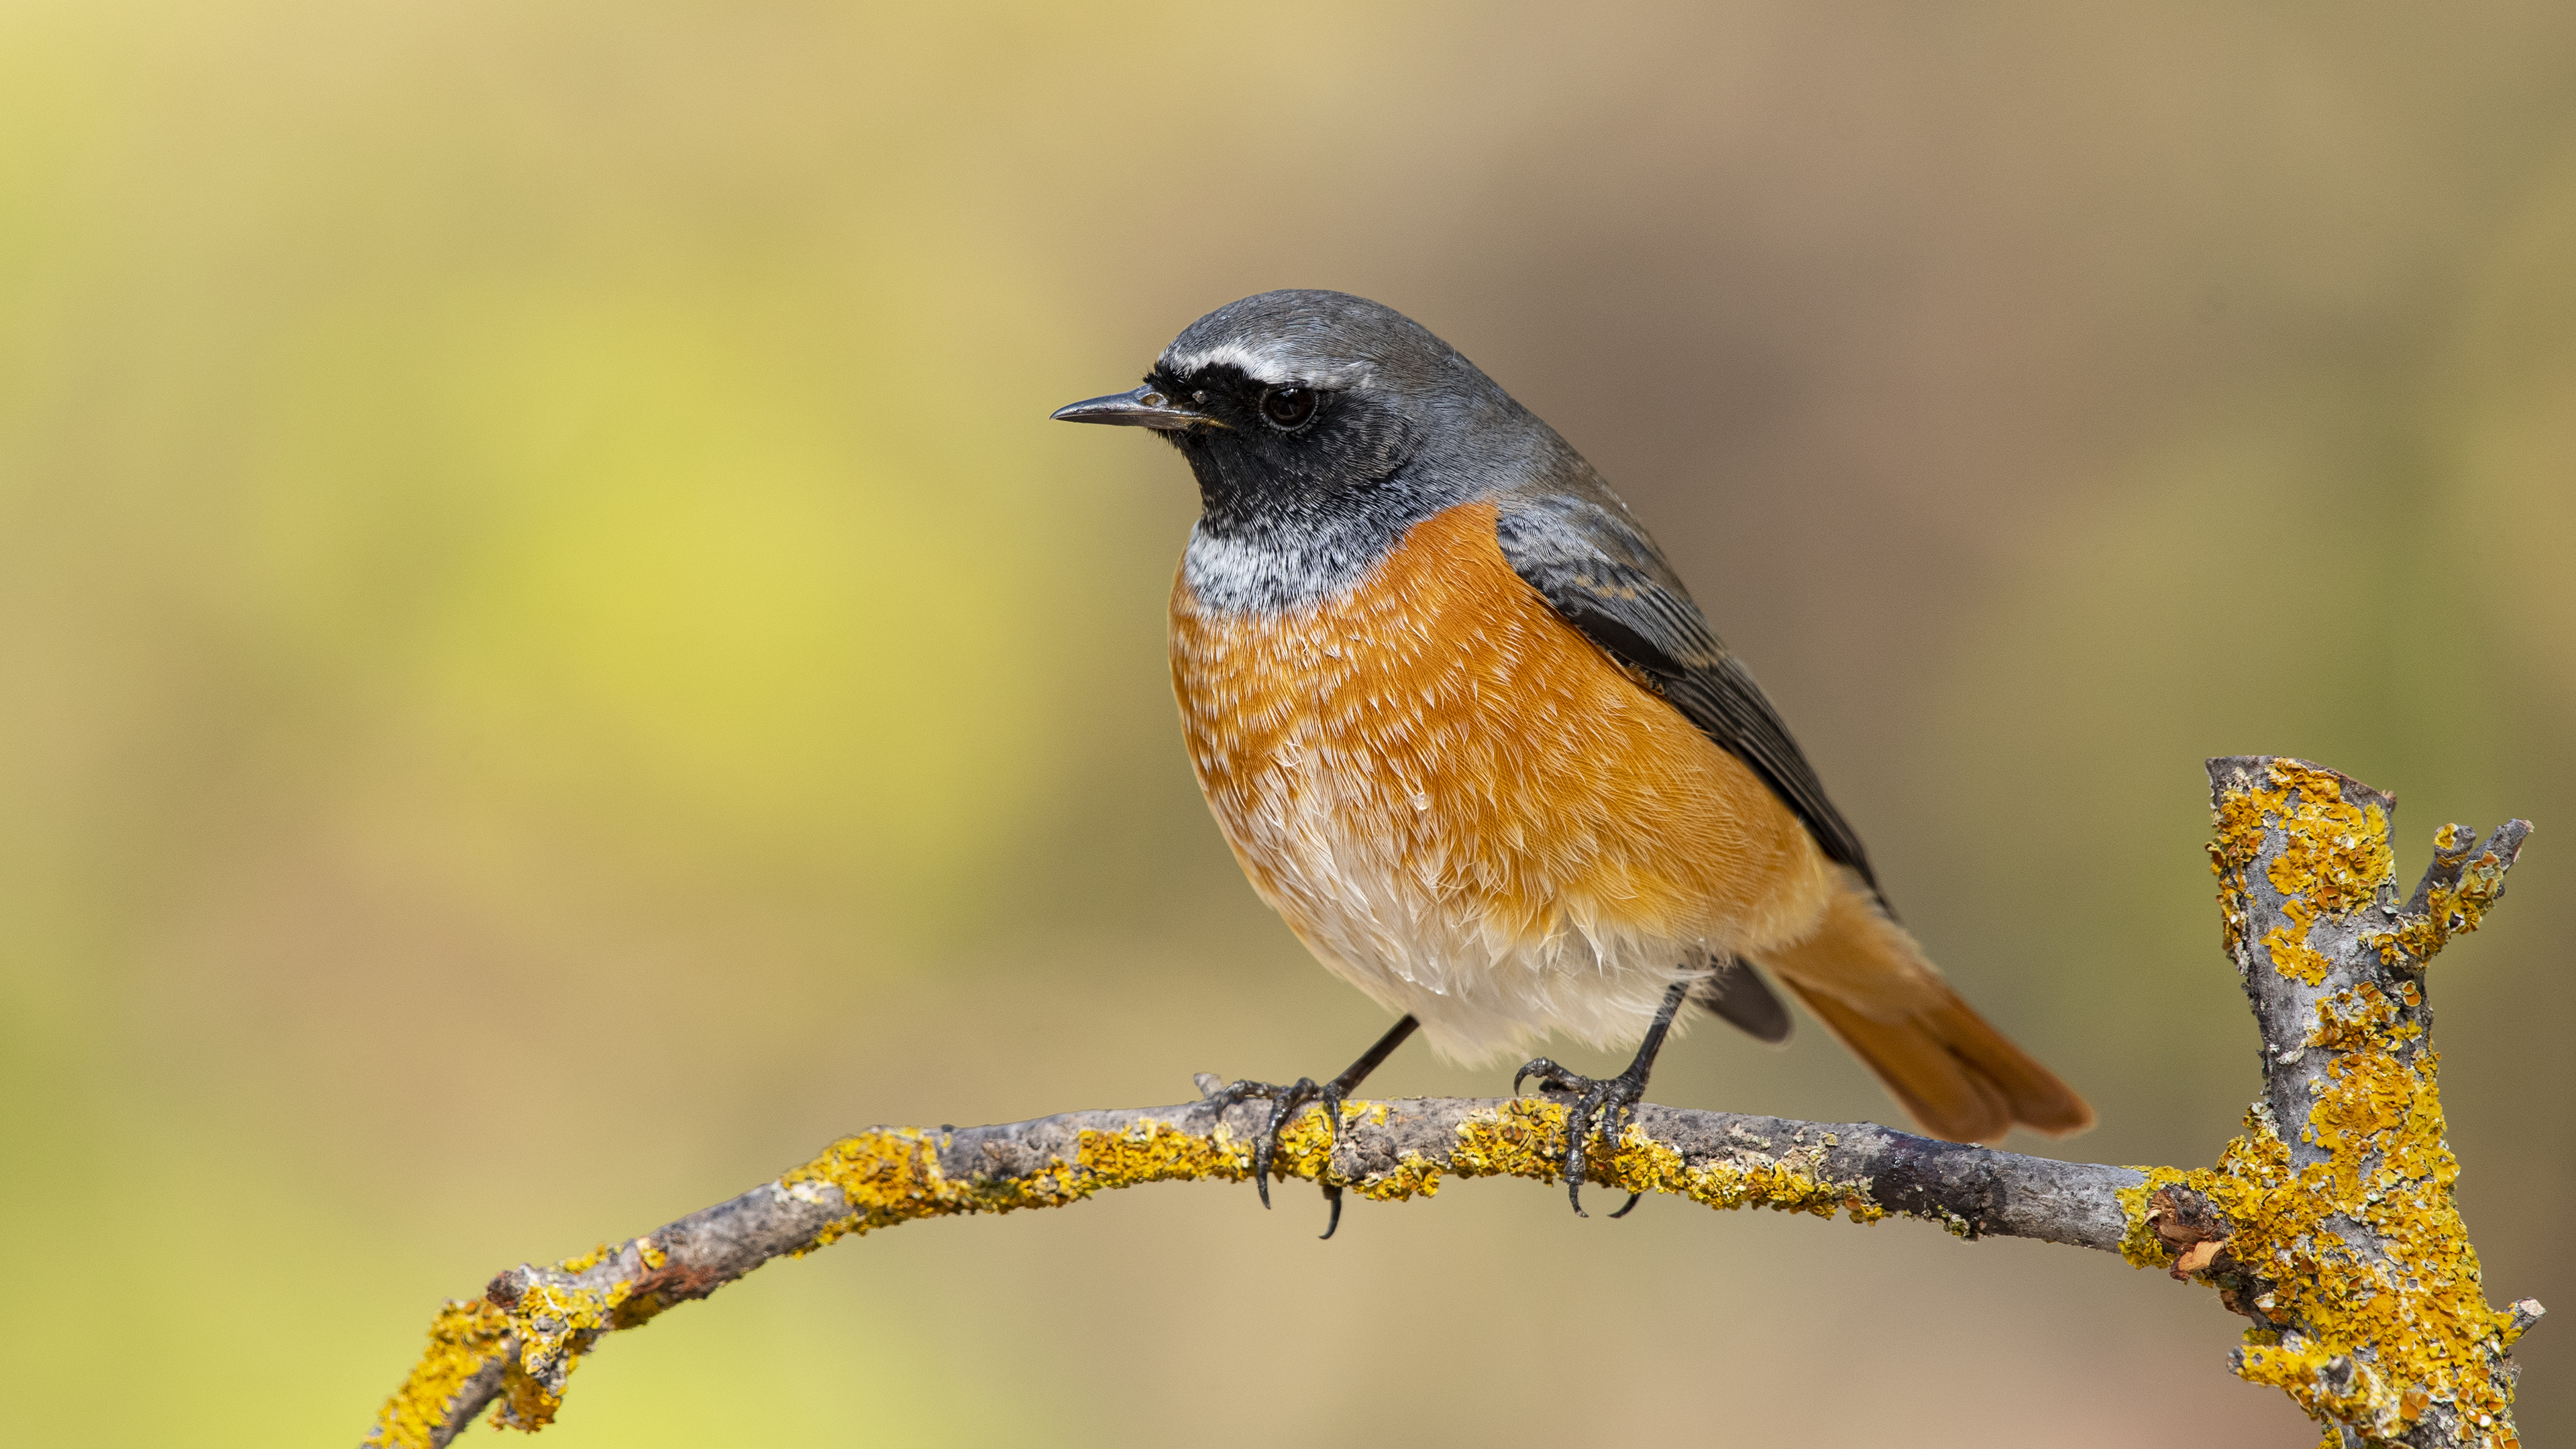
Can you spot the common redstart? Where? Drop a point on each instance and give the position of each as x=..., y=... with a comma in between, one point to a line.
x=1468, y=734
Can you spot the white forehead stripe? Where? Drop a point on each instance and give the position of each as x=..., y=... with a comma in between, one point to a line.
x=1257, y=363
x=1266, y=364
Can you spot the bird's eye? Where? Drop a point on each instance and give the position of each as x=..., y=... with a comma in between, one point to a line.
x=1288, y=407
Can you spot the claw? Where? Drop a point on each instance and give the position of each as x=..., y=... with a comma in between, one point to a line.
x=1610, y=1096
x=1600, y=1105
x=1285, y=1102
x=1551, y=1077
x=1282, y=1108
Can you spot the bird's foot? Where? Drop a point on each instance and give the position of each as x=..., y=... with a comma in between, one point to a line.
x=1285, y=1103
x=1600, y=1103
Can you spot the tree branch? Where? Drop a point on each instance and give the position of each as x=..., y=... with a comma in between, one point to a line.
x=2339, y=1239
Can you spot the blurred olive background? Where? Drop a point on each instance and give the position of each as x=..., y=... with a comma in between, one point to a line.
x=551, y=662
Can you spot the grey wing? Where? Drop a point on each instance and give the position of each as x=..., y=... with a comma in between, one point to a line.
x=1600, y=572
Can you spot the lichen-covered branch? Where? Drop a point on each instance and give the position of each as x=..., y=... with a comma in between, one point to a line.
x=520, y=1342
x=2329, y=1222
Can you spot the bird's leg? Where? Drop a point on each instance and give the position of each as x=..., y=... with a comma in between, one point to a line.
x=1604, y=1102
x=1285, y=1102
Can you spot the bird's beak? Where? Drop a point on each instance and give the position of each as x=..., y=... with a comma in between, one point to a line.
x=1146, y=407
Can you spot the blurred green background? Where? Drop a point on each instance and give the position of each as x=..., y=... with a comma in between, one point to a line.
x=550, y=663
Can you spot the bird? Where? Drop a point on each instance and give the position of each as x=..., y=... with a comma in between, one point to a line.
x=1468, y=734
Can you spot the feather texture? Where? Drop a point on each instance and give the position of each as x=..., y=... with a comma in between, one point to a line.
x=1473, y=814
x=1575, y=543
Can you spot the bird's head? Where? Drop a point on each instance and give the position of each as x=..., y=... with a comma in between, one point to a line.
x=1304, y=401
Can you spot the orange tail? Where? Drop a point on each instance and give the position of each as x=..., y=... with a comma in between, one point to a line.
x=1864, y=977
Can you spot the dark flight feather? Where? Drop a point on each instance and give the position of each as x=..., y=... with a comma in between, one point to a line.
x=1743, y=999
x=1600, y=572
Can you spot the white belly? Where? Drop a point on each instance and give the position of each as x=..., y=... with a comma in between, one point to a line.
x=1420, y=940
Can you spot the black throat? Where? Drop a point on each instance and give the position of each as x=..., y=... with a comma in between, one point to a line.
x=1289, y=519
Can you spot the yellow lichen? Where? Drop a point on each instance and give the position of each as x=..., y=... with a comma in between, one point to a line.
x=1526, y=1138
x=2333, y=857
x=2291, y=955
x=2363, y=1014
x=556, y=1326
x=2360, y=1258
x=2140, y=1246
x=892, y=1175
x=2449, y=910
x=1414, y=1176
x=2376, y=1337
x=464, y=1340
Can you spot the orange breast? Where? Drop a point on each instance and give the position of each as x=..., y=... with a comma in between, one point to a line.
x=1437, y=740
